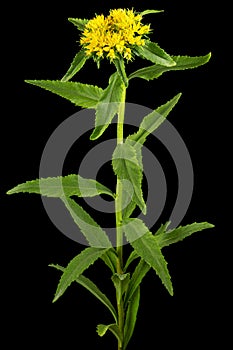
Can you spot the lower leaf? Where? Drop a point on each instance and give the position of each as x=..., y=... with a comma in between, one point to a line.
x=76, y=267
x=102, y=329
x=131, y=317
x=92, y=288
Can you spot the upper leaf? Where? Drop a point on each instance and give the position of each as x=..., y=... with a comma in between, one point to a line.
x=77, y=63
x=89, y=285
x=126, y=166
x=83, y=95
x=182, y=63
x=120, y=66
x=147, y=12
x=152, y=52
x=94, y=234
x=145, y=244
x=152, y=121
x=79, y=23
x=108, y=105
x=76, y=267
x=60, y=186
x=166, y=238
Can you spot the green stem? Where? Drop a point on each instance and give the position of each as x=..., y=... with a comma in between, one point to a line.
x=118, y=210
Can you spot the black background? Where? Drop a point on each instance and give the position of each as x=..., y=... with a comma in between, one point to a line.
x=40, y=44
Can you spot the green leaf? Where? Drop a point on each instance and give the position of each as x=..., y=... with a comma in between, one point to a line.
x=93, y=289
x=145, y=244
x=152, y=52
x=152, y=121
x=128, y=203
x=94, y=234
x=121, y=282
x=76, y=267
x=166, y=238
x=60, y=186
x=131, y=317
x=77, y=63
x=110, y=259
x=136, y=279
x=102, y=329
x=126, y=167
x=83, y=95
x=108, y=105
x=182, y=63
x=79, y=23
x=147, y=12
x=130, y=259
x=120, y=66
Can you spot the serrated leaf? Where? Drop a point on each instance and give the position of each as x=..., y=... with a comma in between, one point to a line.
x=145, y=244
x=102, y=329
x=94, y=234
x=166, y=238
x=139, y=273
x=79, y=23
x=108, y=105
x=152, y=121
x=83, y=95
x=77, y=63
x=147, y=12
x=182, y=63
x=76, y=267
x=152, y=52
x=128, y=203
x=60, y=186
x=126, y=167
x=131, y=317
x=120, y=66
x=93, y=289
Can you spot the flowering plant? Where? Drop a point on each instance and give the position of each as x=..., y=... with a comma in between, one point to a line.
x=119, y=37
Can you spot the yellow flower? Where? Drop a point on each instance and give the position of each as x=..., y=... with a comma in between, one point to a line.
x=115, y=35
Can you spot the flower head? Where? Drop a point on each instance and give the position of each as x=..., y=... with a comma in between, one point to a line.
x=114, y=36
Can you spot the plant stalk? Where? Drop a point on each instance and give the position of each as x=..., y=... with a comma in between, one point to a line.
x=118, y=211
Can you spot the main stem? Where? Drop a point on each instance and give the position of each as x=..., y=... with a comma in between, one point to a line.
x=118, y=211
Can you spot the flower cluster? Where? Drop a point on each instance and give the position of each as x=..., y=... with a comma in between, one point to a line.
x=115, y=35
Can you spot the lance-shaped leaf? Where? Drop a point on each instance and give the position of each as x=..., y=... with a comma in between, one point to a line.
x=126, y=167
x=94, y=234
x=146, y=246
x=60, y=186
x=152, y=121
x=147, y=12
x=182, y=63
x=110, y=259
x=79, y=23
x=120, y=66
x=166, y=238
x=152, y=52
x=77, y=63
x=76, y=267
x=133, y=256
x=131, y=317
x=83, y=95
x=108, y=105
x=139, y=273
x=93, y=289
x=102, y=329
